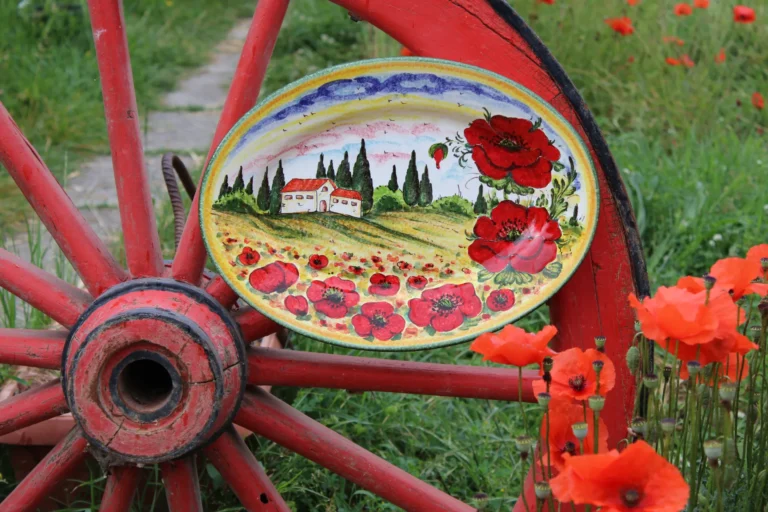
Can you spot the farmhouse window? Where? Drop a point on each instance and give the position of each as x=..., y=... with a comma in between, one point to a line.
x=325, y=189
x=335, y=200
x=289, y=197
x=354, y=203
x=310, y=197
x=299, y=197
x=343, y=202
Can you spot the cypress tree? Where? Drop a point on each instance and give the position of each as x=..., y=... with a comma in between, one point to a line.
x=239, y=181
x=278, y=183
x=481, y=207
x=358, y=171
x=225, y=190
x=411, y=183
x=262, y=199
x=331, y=173
x=249, y=187
x=425, y=189
x=343, y=176
x=320, y=168
x=393, y=180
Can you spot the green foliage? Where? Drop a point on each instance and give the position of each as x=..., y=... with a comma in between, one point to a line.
x=249, y=187
x=239, y=183
x=480, y=207
x=225, y=188
x=275, y=200
x=320, y=168
x=343, y=175
x=263, y=197
x=331, y=172
x=453, y=204
x=411, y=183
x=385, y=200
x=238, y=201
x=574, y=220
x=425, y=189
x=393, y=186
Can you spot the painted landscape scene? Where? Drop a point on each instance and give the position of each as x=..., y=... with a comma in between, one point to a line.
x=397, y=210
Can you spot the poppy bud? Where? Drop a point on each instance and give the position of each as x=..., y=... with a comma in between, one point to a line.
x=598, y=366
x=728, y=391
x=639, y=426
x=524, y=444
x=542, y=490
x=713, y=449
x=580, y=430
x=651, y=381
x=756, y=331
x=668, y=425
x=544, y=399
x=709, y=282
x=694, y=367
x=633, y=359
x=548, y=363
x=600, y=343
x=481, y=500
x=596, y=402
x=667, y=373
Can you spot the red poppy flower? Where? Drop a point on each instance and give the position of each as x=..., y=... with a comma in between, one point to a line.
x=297, y=305
x=563, y=413
x=378, y=319
x=333, y=297
x=318, y=261
x=249, y=256
x=621, y=25
x=275, y=277
x=701, y=4
x=404, y=265
x=516, y=236
x=514, y=346
x=548, y=2
x=743, y=14
x=573, y=374
x=635, y=480
x=758, y=101
x=405, y=52
x=683, y=10
x=231, y=241
x=687, y=61
x=673, y=39
x=672, y=61
x=376, y=259
x=633, y=3
x=346, y=256
x=507, y=146
x=446, y=307
x=758, y=253
x=354, y=269
x=428, y=267
x=720, y=57
x=447, y=272
x=417, y=282
x=500, y=300
x=384, y=285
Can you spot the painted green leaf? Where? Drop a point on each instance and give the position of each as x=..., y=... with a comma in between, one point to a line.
x=552, y=270
x=511, y=277
x=430, y=330
x=484, y=276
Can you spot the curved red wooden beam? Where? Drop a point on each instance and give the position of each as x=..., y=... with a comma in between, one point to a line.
x=222, y=292
x=32, y=406
x=121, y=486
x=230, y=455
x=254, y=325
x=35, y=348
x=182, y=486
x=269, y=417
x=311, y=370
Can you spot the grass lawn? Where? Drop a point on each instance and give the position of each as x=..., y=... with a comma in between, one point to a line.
x=690, y=145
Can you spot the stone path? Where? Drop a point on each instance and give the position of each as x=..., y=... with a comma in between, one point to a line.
x=185, y=126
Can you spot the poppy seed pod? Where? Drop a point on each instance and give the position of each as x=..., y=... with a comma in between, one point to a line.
x=639, y=426
x=709, y=282
x=668, y=425
x=596, y=402
x=580, y=430
x=547, y=364
x=597, y=365
x=544, y=399
x=524, y=444
x=694, y=367
x=481, y=500
x=633, y=359
x=756, y=331
x=542, y=490
x=728, y=391
x=600, y=343
x=713, y=449
x=651, y=381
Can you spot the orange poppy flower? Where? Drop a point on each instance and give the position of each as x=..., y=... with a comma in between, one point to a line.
x=687, y=61
x=720, y=57
x=573, y=375
x=672, y=61
x=673, y=39
x=514, y=346
x=679, y=314
x=683, y=10
x=635, y=480
x=758, y=101
x=405, y=52
x=743, y=14
x=549, y=2
x=563, y=413
x=633, y=2
x=733, y=275
x=757, y=253
x=621, y=25
x=701, y=4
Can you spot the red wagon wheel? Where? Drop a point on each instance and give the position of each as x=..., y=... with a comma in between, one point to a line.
x=152, y=347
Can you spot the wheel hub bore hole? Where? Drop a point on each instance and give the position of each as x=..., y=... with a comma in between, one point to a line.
x=145, y=385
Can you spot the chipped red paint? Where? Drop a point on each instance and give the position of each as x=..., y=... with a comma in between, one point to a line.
x=182, y=488
x=32, y=406
x=27, y=347
x=121, y=486
x=254, y=325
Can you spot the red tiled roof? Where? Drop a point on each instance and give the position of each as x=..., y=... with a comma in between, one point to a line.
x=302, y=185
x=349, y=194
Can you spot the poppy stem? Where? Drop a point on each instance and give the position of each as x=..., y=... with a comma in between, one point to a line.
x=520, y=398
x=549, y=460
x=522, y=475
x=597, y=430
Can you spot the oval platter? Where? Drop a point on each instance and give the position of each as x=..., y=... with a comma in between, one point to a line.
x=399, y=204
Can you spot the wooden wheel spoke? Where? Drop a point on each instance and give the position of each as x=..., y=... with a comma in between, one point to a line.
x=79, y=243
x=267, y=416
x=54, y=468
x=36, y=348
x=245, y=476
x=182, y=487
x=121, y=486
x=32, y=406
x=221, y=291
x=137, y=214
x=308, y=369
x=254, y=325
x=243, y=93
x=51, y=295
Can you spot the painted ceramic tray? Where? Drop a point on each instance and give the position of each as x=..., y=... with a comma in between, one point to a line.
x=399, y=204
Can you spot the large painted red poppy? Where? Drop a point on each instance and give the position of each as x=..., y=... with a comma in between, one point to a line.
x=446, y=307
x=378, y=319
x=516, y=236
x=507, y=146
x=333, y=297
x=275, y=277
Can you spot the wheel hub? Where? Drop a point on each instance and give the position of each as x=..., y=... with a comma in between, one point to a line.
x=153, y=370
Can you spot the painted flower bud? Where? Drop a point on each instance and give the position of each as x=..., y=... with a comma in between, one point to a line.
x=713, y=449
x=542, y=490
x=548, y=363
x=728, y=391
x=600, y=343
x=694, y=367
x=596, y=402
x=668, y=425
x=651, y=381
x=639, y=426
x=709, y=282
x=544, y=399
x=633, y=359
x=580, y=430
x=524, y=444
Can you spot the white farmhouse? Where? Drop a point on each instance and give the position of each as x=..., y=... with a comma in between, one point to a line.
x=319, y=195
x=346, y=202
